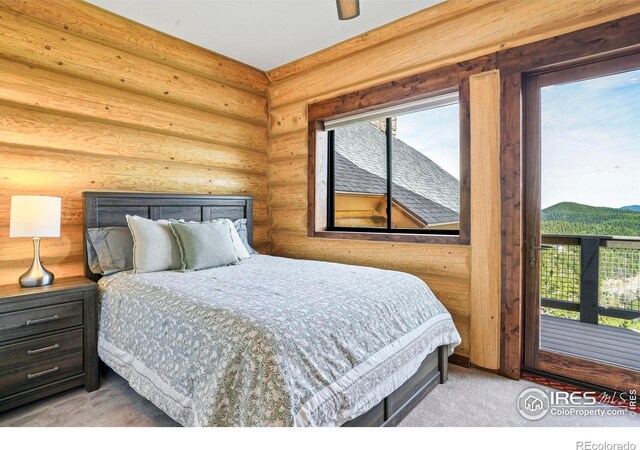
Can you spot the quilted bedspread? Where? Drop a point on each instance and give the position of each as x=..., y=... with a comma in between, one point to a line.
x=269, y=341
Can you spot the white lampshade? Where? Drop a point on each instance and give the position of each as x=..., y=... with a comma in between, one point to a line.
x=35, y=216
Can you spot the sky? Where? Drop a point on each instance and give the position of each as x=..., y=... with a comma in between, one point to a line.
x=435, y=133
x=591, y=141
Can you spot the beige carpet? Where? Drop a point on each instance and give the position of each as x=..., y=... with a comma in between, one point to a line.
x=470, y=398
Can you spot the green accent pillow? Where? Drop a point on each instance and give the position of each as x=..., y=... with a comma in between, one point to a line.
x=205, y=245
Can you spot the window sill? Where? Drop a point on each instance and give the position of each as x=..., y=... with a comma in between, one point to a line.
x=390, y=237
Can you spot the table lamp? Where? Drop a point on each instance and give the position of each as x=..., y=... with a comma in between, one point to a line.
x=35, y=217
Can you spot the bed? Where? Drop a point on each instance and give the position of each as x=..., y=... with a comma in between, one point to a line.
x=269, y=341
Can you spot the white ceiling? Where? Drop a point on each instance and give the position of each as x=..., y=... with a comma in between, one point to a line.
x=261, y=33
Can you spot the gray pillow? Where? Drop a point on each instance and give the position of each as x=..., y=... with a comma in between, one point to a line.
x=205, y=245
x=154, y=246
x=241, y=228
x=110, y=249
x=92, y=257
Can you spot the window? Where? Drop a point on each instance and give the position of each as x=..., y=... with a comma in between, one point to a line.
x=396, y=169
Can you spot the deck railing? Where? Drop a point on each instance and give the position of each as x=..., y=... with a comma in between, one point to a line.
x=592, y=275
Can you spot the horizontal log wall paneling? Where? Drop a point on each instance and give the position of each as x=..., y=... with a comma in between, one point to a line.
x=63, y=94
x=85, y=20
x=468, y=35
x=407, y=25
x=92, y=101
x=31, y=43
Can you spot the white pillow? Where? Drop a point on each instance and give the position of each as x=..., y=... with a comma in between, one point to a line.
x=154, y=246
x=237, y=242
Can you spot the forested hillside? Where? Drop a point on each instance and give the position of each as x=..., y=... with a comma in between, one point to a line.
x=619, y=270
x=575, y=218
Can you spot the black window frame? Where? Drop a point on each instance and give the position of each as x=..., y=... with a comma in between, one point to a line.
x=331, y=192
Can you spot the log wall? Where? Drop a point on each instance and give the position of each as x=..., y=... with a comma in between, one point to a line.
x=92, y=101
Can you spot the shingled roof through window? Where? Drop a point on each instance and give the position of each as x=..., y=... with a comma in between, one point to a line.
x=419, y=184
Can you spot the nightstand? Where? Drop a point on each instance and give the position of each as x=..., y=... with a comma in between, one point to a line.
x=48, y=340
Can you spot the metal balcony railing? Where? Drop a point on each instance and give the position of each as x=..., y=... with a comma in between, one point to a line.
x=592, y=275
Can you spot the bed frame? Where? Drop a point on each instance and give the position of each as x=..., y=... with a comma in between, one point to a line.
x=108, y=209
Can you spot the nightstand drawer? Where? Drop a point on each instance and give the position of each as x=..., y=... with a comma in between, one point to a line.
x=34, y=321
x=40, y=349
x=42, y=373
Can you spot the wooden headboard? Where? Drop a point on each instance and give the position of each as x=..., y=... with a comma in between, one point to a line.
x=109, y=209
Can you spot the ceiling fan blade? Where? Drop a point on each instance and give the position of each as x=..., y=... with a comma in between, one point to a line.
x=348, y=9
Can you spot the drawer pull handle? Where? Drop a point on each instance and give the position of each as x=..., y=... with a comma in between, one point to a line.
x=44, y=372
x=43, y=349
x=43, y=320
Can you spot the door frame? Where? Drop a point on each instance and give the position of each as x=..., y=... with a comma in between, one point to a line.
x=607, y=40
x=567, y=366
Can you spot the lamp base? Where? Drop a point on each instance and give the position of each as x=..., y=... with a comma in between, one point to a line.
x=37, y=275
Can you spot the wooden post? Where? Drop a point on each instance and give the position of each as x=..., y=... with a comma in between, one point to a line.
x=485, y=220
